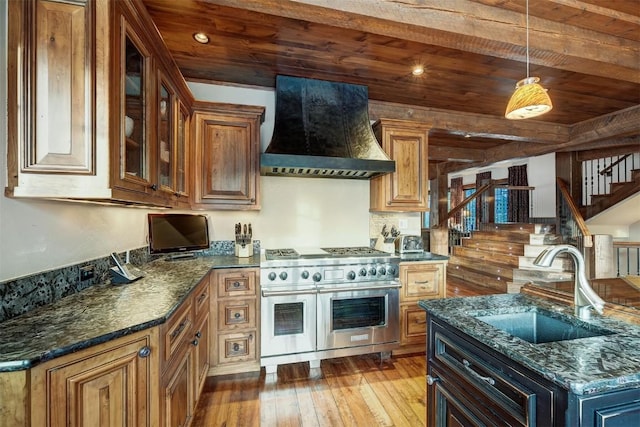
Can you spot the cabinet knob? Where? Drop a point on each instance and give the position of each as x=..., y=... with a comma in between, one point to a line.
x=154, y=187
x=195, y=342
x=237, y=315
x=432, y=380
x=144, y=351
x=198, y=334
x=236, y=284
x=236, y=347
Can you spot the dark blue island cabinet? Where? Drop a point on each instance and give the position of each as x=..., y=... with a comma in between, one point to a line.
x=470, y=384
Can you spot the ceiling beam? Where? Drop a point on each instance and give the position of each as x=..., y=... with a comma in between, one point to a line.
x=469, y=26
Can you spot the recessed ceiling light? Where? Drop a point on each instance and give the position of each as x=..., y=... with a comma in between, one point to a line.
x=201, y=38
x=417, y=70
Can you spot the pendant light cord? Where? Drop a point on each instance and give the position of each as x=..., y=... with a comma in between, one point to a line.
x=527, y=23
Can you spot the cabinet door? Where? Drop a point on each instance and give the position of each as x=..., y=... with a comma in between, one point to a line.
x=226, y=160
x=422, y=281
x=182, y=156
x=110, y=385
x=166, y=149
x=201, y=343
x=57, y=85
x=413, y=324
x=178, y=392
x=407, y=188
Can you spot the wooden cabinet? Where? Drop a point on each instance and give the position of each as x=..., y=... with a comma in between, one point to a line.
x=148, y=152
x=614, y=409
x=420, y=280
x=235, y=345
x=112, y=384
x=407, y=188
x=185, y=357
x=226, y=152
x=58, y=92
x=470, y=384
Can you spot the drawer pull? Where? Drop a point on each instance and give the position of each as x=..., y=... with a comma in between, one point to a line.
x=422, y=282
x=467, y=366
x=237, y=315
x=420, y=322
x=179, y=329
x=432, y=380
x=201, y=298
x=236, y=284
x=236, y=347
x=144, y=351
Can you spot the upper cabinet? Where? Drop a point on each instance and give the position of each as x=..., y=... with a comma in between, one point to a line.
x=226, y=155
x=57, y=99
x=406, y=189
x=151, y=106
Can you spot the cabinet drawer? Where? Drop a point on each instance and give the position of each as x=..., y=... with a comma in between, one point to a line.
x=508, y=392
x=421, y=281
x=238, y=347
x=236, y=283
x=201, y=299
x=414, y=324
x=177, y=329
x=235, y=314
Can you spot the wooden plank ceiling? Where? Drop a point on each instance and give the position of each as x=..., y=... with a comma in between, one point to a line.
x=586, y=52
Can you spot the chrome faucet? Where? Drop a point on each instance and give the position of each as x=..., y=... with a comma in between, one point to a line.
x=584, y=297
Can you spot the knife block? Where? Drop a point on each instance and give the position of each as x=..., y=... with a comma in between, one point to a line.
x=244, y=251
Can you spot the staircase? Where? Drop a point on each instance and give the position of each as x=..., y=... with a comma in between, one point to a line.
x=500, y=257
x=610, y=189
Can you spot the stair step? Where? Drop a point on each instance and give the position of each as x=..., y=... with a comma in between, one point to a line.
x=525, y=275
x=502, y=236
x=558, y=264
x=544, y=239
x=494, y=269
x=477, y=278
x=519, y=226
x=486, y=256
x=494, y=246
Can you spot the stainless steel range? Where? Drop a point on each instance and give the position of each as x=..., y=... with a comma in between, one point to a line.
x=319, y=303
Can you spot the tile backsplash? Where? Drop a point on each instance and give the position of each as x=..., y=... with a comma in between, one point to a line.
x=19, y=296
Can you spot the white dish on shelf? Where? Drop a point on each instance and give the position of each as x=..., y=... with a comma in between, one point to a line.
x=128, y=126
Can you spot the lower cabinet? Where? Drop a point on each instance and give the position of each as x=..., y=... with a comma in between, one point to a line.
x=112, y=384
x=420, y=280
x=615, y=409
x=178, y=392
x=235, y=297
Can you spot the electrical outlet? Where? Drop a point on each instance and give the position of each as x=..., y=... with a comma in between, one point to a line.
x=87, y=272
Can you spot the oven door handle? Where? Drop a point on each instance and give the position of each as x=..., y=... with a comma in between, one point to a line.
x=359, y=288
x=269, y=293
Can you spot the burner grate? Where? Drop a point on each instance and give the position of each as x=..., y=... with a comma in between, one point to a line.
x=354, y=251
x=281, y=253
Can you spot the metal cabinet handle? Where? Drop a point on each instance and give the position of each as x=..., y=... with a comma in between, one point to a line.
x=201, y=298
x=432, y=380
x=236, y=284
x=198, y=334
x=194, y=342
x=179, y=329
x=144, y=351
x=422, y=282
x=154, y=187
x=467, y=366
x=237, y=315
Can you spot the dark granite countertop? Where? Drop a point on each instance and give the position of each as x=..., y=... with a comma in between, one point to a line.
x=422, y=256
x=582, y=366
x=104, y=312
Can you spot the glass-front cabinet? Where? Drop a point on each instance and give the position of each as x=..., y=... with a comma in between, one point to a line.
x=166, y=135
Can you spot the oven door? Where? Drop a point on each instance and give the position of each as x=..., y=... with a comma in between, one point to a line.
x=352, y=315
x=288, y=321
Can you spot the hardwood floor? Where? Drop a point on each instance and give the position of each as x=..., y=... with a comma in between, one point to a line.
x=348, y=391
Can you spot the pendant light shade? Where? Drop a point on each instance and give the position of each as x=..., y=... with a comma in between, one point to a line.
x=529, y=100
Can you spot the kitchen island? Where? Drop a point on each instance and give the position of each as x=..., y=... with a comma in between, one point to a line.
x=478, y=372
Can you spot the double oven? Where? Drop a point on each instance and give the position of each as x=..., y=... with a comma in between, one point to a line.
x=330, y=302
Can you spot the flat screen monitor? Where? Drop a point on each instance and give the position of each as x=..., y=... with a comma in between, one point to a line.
x=177, y=233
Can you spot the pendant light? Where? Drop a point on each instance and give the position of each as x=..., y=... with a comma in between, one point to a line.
x=530, y=99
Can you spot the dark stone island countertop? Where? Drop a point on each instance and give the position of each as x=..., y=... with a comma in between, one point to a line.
x=104, y=312
x=582, y=366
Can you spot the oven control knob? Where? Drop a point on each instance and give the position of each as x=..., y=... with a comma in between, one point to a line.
x=363, y=271
x=317, y=277
x=391, y=271
x=382, y=271
x=305, y=274
x=272, y=276
x=351, y=275
x=372, y=271
x=283, y=275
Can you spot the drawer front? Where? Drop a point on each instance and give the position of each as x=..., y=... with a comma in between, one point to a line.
x=237, y=283
x=414, y=324
x=201, y=299
x=512, y=394
x=239, y=347
x=177, y=329
x=235, y=314
x=421, y=281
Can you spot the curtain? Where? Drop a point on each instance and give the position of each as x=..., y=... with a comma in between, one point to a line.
x=518, y=200
x=457, y=196
x=482, y=213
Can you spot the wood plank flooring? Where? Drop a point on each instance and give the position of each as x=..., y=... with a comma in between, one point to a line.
x=348, y=391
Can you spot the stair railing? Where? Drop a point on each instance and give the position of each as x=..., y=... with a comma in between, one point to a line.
x=571, y=225
x=599, y=174
x=627, y=258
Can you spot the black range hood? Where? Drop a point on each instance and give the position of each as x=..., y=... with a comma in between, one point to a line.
x=322, y=130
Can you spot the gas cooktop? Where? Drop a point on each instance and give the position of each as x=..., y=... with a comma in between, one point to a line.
x=311, y=253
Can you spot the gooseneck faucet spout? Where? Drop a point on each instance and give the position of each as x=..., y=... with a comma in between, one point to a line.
x=584, y=295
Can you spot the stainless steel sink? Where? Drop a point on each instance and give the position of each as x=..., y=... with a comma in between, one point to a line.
x=539, y=326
